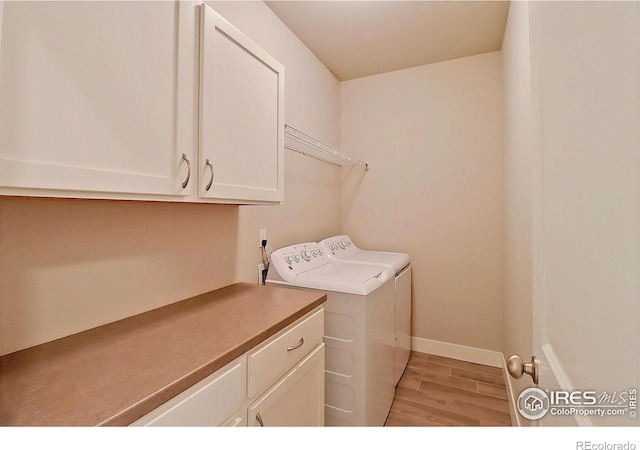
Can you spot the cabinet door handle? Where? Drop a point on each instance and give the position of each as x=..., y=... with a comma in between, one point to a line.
x=259, y=419
x=208, y=163
x=186, y=181
x=300, y=344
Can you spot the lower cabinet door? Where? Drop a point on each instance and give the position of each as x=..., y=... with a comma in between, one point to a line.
x=297, y=399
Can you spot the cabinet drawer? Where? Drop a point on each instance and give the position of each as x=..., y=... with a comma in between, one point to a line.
x=273, y=359
x=210, y=402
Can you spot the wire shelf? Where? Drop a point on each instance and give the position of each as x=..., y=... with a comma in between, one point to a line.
x=301, y=142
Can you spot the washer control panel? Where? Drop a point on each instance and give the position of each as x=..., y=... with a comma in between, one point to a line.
x=339, y=245
x=290, y=261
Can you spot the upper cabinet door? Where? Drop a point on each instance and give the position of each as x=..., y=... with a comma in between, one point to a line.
x=241, y=116
x=89, y=99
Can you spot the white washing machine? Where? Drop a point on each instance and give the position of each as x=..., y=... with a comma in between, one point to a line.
x=343, y=249
x=359, y=331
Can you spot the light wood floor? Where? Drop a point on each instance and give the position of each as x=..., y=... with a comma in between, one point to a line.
x=438, y=391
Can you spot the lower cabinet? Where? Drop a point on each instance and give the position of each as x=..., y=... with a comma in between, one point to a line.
x=297, y=399
x=280, y=382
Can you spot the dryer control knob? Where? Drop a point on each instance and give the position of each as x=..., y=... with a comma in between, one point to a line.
x=288, y=259
x=306, y=255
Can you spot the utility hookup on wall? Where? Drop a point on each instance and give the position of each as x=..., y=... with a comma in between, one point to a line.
x=262, y=237
x=260, y=273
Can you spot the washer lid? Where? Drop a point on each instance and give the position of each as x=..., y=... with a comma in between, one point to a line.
x=308, y=265
x=344, y=272
x=348, y=278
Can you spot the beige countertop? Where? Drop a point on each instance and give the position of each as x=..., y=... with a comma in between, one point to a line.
x=116, y=373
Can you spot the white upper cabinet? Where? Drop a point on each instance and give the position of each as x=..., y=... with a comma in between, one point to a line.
x=241, y=116
x=90, y=98
x=103, y=100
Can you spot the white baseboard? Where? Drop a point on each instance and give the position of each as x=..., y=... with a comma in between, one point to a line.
x=456, y=351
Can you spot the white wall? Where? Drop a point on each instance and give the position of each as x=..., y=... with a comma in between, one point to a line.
x=518, y=133
x=69, y=265
x=1, y=11
x=433, y=138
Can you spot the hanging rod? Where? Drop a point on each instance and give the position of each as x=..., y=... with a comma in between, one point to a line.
x=317, y=146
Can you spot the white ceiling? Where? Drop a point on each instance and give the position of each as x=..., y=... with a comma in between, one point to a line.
x=360, y=38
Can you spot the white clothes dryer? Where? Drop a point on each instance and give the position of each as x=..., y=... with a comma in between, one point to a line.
x=342, y=248
x=358, y=333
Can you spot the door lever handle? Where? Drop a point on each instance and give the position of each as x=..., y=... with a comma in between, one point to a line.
x=517, y=367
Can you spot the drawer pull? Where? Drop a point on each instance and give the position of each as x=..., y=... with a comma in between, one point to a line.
x=259, y=419
x=297, y=346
